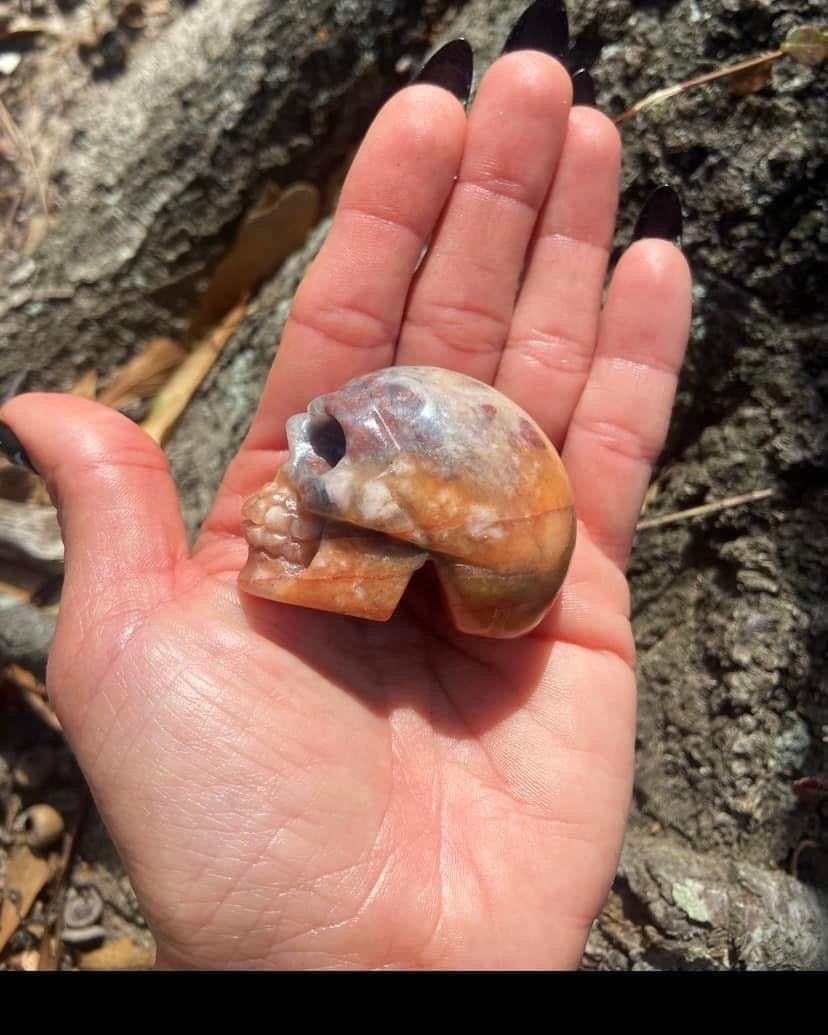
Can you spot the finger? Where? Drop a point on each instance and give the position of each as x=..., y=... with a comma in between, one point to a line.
x=462, y=299
x=555, y=326
x=621, y=420
x=124, y=538
x=346, y=314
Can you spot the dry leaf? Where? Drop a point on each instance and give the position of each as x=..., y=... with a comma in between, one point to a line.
x=751, y=80
x=121, y=954
x=807, y=44
x=271, y=232
x=26, y=875
x=140, y=377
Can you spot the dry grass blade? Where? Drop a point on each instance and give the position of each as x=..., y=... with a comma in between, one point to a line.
x=32, y=693
x=705, y=508
x=24, y=153
x=173, y=399
x=86, y=385
x=139, y=378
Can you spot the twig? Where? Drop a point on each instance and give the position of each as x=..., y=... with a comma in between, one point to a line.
x=172, y=400
x=706, y=508
x=51, y=945
x=32, y=694
x=709, y=77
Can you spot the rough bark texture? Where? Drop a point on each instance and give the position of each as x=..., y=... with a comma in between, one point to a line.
x=674, y=909
x=164, y=162
x=728, y=610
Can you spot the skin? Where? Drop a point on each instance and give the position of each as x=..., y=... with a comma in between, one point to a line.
x=295, y=789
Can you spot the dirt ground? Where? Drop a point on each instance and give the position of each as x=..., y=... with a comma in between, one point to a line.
x=726, y=862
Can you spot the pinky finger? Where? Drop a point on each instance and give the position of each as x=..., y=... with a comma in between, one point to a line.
x=621, y=420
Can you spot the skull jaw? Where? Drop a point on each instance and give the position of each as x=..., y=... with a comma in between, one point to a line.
x=354, y=572
x=343, y=569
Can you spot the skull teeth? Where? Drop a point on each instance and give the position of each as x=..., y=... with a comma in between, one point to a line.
x=276, y=526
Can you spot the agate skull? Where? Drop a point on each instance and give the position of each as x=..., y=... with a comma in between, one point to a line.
x=408, y=465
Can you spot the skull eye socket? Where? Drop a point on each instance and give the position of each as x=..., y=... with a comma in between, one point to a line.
x=327, y=439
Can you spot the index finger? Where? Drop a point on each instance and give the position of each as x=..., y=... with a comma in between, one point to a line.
x=347, y=312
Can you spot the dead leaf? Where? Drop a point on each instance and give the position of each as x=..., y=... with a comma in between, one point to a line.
x=807, y=44
x=26, y=875
x=751, y=80
x=121, y=954
x=271, y=232
x=145, y=373
x=31, y=535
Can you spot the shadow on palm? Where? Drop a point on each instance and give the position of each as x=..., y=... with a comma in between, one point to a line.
x=461, y=685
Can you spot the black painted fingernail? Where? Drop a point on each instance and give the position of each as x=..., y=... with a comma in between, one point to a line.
x=12, y=449
x=544, y=25
x=660, y=216
x=451, y=67
x=583, y=88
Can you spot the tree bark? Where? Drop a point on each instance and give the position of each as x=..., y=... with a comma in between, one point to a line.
x=164, y=162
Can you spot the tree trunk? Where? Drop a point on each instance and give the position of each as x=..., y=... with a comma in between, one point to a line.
x=166, y=160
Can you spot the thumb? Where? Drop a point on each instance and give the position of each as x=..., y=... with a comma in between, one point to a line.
x=122, y=530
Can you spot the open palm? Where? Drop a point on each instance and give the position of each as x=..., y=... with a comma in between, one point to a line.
x=298, y=789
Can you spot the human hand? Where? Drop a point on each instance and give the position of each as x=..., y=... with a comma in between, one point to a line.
x=295, y=789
